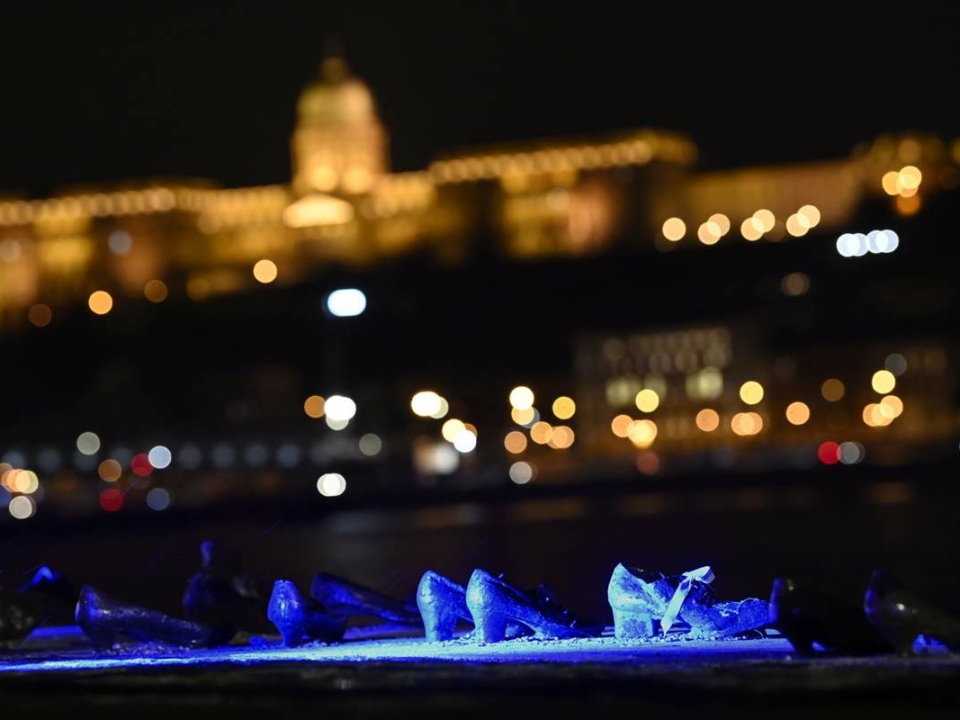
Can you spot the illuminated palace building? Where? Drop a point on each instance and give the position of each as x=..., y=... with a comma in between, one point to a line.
x=665, y=318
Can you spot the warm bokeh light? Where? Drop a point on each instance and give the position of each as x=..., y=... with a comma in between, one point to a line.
x=313, y=406
x=541, y=432
x=708, y=233
x=674, y=229
x=23, y=481
x=647, y=400
x=746, y=423
x=515, y=442
x=451, y=428
x=521, y=398
x=832, y=390
x=40, y=315
x=798, y=413
x=910, y=178
x=564, y=408
x=891, y=406
x=562, y=437
x=100, y=302
x=796, y=227
x=795, y=284
x=809, y=216
x=874, y=415
x=751, y=392
x=155, y=291
x=907, y=206
x=110, y=470
x=642, y=433
x=750, y=231
x=620, y=425
x=883, y=381
x=708, y=420
x=648, y=462
x=523, y=417
x=766, y=219
x=721, y=221
x=198, y=288
x=891, y=183
x=265, y=271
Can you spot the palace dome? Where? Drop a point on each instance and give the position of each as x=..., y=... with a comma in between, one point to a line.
x=336, y=96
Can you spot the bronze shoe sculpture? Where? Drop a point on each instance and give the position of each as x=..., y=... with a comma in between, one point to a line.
x=902, y=615
x=222, y=596
x=46, y=599
x=805, y=616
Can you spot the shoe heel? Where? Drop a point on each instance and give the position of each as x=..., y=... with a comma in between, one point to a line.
x=901, y=637
x=438, y=623
x=491, y=626
x=629, y=625
x=291, y=633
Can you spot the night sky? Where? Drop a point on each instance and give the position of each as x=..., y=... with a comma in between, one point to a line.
x=208, y=89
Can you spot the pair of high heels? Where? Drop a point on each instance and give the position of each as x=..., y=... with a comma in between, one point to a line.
x=648, y=604
x=890, y=618
x=495, y=608
x=332, y=604
x=220, y=601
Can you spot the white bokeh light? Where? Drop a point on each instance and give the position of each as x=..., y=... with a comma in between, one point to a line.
x=331, y=484
x=339, y=408
x=22, y=507
x=88, y=443
x=160, y=457
x=465, y=441
x=521, y=472
x=348, y=302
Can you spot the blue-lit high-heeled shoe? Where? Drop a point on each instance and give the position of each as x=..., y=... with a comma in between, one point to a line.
x=348, y=599
x=103, y=619
x=638, y=599
x=301, y=619
x=495, y=605
x=647, y=603
x=443, y=604
x=901, y=615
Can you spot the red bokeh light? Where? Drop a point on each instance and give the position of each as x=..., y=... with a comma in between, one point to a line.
x=140, y=465
x=829, y=453
x=111, y=499
x=648, y=462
